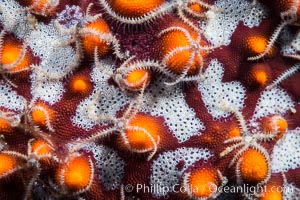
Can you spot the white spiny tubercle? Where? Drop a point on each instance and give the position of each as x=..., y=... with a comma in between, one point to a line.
x=284, y=76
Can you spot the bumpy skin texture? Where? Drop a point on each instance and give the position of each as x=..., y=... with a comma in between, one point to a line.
x=206, y=114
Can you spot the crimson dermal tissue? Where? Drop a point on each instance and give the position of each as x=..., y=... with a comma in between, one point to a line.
x=150, y=100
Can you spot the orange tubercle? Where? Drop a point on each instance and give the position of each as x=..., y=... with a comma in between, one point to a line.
x=11, y=53
x=275, y=123
x=90, y=42
x=201, y=181
x=76, y=174
x=261, y=77
x=8, y=163
x=5, y=126
x=138, y=139
x=196, y=8
x=272, y=192
x=258, y=75
x=80, y=84
x=234, y=132
x=257, y=45
x=177, y=63
x=137, y=78
x=40, y=147
x=44, y=7
x=41, y=113
x=253, y=167
x=134, y=8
